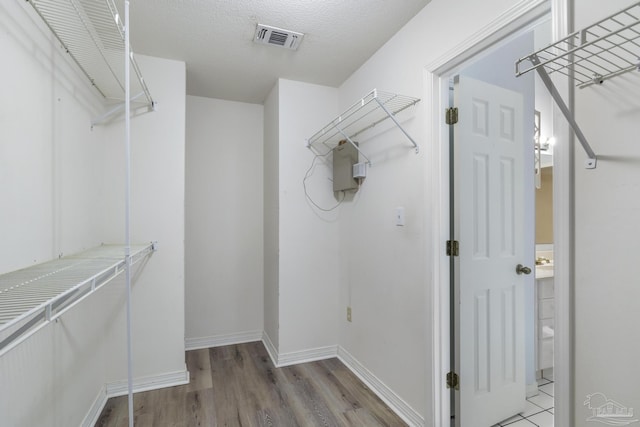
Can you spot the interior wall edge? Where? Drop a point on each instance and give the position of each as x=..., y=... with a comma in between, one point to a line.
x=271, y=349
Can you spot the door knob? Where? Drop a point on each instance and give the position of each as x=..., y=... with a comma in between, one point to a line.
x=521, y=269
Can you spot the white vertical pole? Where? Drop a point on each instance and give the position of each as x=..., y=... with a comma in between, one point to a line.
x=127, y=237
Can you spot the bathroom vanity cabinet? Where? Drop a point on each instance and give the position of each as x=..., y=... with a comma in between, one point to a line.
x=545, y=321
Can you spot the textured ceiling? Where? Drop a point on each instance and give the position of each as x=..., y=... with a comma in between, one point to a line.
x=215, y=39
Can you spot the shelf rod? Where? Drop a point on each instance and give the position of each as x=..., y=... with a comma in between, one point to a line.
x=592, y=160
x=609, y=76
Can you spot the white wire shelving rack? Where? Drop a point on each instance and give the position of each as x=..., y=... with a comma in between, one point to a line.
x=590, y=56
x=372, y=109
x=35, y=296
x=95, y=36
x=92, y=33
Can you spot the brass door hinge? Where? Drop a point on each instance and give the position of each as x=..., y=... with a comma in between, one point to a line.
x=451, y=116
x=453, y=381
x=453, y=248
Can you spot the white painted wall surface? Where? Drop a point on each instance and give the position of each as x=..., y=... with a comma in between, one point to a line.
x=65, y=188
x=388, y=276
x=271, y=200
x=308, y=238
x=607, y=339
x=224, y=219
x=157, y=214
x=49, y=158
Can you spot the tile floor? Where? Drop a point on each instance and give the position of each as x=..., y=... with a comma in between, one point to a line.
x=539, y=409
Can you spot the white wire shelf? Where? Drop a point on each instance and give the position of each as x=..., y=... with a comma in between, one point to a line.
x=92, y=33
x=606, y=49
x=372, y=109
x=34, y=296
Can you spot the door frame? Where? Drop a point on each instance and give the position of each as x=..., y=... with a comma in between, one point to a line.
x=515, y=20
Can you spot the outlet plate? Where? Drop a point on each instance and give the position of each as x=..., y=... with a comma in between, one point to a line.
x=348, y=314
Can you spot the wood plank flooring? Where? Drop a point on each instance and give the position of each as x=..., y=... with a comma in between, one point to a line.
x=238, y=385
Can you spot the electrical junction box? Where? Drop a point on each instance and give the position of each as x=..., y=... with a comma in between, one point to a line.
x=345, y=156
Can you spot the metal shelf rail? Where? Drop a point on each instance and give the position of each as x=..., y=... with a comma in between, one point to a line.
x=34, y=296
x=373, y=108
x=601, y=51
x=92, y=33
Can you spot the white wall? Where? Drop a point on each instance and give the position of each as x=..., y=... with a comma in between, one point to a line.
x=224, y=220
x=49, y=158
x=308, y=238
x=157, y=214
x=607, y=339
x=65, y=193
x=271, y=208
x=390, y=268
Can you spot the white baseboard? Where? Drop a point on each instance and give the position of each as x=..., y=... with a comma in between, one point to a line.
x=120, y=388
x=96, y=408
x=271, y=349
x=388, y=396
x=221, y=340
x=169, y=379
x=304, y=356
x=293, y=358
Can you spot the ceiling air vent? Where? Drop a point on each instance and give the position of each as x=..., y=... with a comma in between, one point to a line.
x=288, y=39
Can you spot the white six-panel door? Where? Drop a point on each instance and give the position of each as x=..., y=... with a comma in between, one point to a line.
x=488, y=194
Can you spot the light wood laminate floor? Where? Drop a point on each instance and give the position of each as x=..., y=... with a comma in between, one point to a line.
x=238, y=385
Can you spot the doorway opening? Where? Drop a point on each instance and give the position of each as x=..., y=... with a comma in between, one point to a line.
x=440, y=79
x=502, y=339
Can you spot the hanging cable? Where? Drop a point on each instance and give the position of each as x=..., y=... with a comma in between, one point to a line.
x=308, y=174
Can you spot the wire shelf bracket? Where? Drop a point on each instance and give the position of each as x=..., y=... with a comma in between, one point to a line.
x=372, y=109
x=93, y=34
x=606, y=49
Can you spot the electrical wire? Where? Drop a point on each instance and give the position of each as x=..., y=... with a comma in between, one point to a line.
x=308, y=174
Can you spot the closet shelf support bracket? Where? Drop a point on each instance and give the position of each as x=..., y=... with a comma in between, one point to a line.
x=592, y=160
x=392, y=116
x=107, y=116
